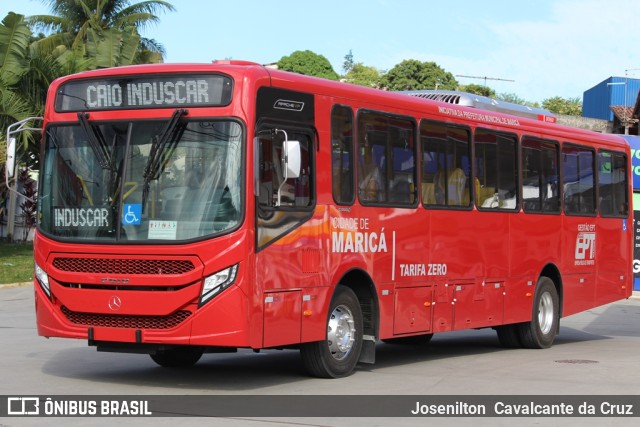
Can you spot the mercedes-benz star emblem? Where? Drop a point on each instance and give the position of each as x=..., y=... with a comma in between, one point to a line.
x=115, y=303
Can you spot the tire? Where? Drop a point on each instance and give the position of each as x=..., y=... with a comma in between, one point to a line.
x=179, y=357
x=416, y=340
x=509, y=336
x=337, y=356
x=541, y=331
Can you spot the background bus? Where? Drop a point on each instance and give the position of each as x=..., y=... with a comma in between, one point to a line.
x=203, y=208
x=634, y=143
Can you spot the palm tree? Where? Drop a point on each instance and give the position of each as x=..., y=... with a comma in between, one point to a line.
x=25, y=75
x=105, y=30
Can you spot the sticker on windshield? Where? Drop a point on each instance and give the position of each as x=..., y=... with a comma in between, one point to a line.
x=163, y=229
x=132, y=214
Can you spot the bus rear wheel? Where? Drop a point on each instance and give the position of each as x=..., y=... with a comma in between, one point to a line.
x=541, y=331
x=178, y=357
x=338, y=355
x=509, y=335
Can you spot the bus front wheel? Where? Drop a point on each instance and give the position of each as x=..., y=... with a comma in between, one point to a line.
x=338, y=355
x=541, y=331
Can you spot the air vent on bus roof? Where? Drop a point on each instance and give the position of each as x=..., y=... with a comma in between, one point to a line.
x=450, y=98
x=483, y=103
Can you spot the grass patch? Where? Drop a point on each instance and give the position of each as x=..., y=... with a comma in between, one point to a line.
x=16, y=262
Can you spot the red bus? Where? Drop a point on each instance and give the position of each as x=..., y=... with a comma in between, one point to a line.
x=186, y=209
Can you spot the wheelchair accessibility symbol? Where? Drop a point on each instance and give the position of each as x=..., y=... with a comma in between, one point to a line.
x=132, y=214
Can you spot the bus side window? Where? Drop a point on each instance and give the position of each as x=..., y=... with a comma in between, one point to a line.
x=296, y=191
x=612, y=184
x=496, y=170
x=446, y=170
x=579, y=180
x=540, y=175
x=342, y=154
x=386, y=159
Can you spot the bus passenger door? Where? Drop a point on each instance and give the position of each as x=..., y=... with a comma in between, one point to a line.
x=289, y=239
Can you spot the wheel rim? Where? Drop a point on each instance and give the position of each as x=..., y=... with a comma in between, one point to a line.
x=341, y=332
x=545, y=313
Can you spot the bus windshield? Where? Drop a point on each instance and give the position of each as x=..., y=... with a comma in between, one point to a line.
x=141, y=180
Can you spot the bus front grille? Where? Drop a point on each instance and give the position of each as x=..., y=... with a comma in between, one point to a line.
x=126, y=321
x=123, y=266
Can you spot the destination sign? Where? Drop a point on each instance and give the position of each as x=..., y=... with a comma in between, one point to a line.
x=133, y=92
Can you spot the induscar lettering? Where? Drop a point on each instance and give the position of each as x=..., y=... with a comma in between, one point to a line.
x=76, y=217
x=148, y=93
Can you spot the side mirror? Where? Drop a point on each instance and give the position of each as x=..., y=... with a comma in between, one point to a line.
x=11, y=157
x=291, y=161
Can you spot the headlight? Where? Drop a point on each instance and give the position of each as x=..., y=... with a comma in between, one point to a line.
x=217, y=282
x=43, y=279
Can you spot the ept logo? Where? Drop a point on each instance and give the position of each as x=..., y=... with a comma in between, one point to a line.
x=585, y=246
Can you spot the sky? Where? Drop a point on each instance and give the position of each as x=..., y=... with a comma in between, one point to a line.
x=534, y=49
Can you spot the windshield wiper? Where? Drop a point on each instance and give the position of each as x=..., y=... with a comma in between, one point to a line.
x=97, y=142
x=165, y=140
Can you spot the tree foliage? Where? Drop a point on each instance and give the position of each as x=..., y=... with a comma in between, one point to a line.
x=515, y=99
x=559, y=105
x=81, y=35
x=362, y=75
x=25, y=76
x=479, y=90
x=412, y=74
x=308, y=63
x=75, y=23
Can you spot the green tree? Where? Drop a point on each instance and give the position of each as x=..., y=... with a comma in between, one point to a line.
x=363, y=75
x=106, y=31
x=479, y=90
x=515, y=99
x=308, y=63
x=412, y=74
x=567, y=106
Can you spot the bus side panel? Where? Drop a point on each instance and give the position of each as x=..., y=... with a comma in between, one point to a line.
x=443, y=308
x=472, y=246
x=518, y=300
x=478, y=305
x=413, y=310
x=535, y=242
x=292, y=274
x=223, y=321
x=613, y=248
x=579, y=263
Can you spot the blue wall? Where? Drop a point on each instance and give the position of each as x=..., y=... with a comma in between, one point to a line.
x=610, y=92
